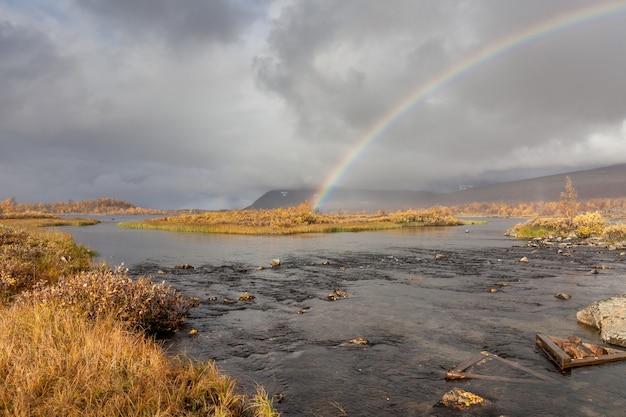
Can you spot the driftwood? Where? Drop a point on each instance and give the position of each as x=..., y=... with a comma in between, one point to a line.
x=567, y=356
x=459, y=371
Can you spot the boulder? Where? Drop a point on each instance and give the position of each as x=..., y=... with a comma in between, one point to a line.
x=609, y=316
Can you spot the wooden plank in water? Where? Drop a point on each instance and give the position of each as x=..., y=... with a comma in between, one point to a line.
x=565, y=361
x=459, y=371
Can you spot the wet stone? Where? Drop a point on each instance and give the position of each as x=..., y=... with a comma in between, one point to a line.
x=460, y=399
x=337, y=294
x=562, y=296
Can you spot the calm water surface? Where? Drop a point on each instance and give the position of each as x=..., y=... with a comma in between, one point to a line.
x=422, y=314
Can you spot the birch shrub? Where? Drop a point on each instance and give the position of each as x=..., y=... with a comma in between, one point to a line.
x=153, y=307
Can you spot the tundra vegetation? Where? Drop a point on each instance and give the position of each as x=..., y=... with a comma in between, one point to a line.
x=570, y=222
x=291, y=220
x=79, y=339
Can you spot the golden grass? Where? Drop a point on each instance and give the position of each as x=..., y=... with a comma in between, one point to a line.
x=54, y=363
x=294, y=220
x=29, y=255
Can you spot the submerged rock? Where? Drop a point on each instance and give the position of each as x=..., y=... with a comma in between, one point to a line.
x=609, y=316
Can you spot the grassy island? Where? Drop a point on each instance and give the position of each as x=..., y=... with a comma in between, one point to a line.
x=80, y=339
x=292, y=220
x=582, y=226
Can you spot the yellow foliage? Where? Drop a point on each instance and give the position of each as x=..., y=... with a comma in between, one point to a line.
x=615, y=232
x=588, y=224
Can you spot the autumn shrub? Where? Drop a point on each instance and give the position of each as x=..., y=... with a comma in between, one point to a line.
x=615, y=232
x=540, y=227
x=55, y=363
x=434, y=216
x=31, y=256
x=155, y=308
x=588, y=224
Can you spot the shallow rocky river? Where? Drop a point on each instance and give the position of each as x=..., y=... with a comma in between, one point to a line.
x=424, y=303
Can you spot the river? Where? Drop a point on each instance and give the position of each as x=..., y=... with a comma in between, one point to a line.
x=425, y=299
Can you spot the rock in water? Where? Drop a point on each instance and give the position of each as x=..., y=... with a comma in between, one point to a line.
x=609, y=316
x=337, y=294
x=461, y=399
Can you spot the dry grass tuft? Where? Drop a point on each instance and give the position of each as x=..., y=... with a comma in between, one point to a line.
x=55, y=363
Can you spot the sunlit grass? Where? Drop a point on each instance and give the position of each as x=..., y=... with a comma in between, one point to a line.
x=55, y=363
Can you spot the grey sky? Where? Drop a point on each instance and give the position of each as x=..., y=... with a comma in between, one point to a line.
x=210, y=103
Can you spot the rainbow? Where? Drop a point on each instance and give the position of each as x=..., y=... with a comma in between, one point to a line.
x=492, y=51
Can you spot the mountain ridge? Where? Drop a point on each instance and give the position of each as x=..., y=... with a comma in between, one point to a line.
x=605, y=182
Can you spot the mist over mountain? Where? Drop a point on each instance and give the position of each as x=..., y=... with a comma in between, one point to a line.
x=607, y=182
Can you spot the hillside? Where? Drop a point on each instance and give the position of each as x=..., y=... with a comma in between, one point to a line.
x=607, y=182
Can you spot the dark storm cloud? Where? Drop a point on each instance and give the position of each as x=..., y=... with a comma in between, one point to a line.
x=30, y=65
x=211, y=103
x=179, y=23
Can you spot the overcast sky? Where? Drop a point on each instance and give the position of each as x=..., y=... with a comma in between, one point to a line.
x=211, y=103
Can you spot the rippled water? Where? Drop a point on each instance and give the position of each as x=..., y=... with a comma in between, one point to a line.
x=421, y=313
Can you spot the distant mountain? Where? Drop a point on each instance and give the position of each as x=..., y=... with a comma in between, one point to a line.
x=608, y=182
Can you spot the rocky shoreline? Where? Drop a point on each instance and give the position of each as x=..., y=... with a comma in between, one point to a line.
x=607, y=315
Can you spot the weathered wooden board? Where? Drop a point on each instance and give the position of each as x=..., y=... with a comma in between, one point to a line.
x=460, y=370
x=565, y=361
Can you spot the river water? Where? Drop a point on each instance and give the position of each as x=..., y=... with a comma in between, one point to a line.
x=425, y=299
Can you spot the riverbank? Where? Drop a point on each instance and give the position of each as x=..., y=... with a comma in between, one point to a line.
x=73, y=339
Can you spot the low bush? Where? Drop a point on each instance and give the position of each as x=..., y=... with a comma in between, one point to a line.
x=156, y=308
x=540, y=227
x=583, y=226
x=54, y=363
x=588, y=224
x=615, y=232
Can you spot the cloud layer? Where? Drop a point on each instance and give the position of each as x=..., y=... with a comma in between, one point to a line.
x=208, y=104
